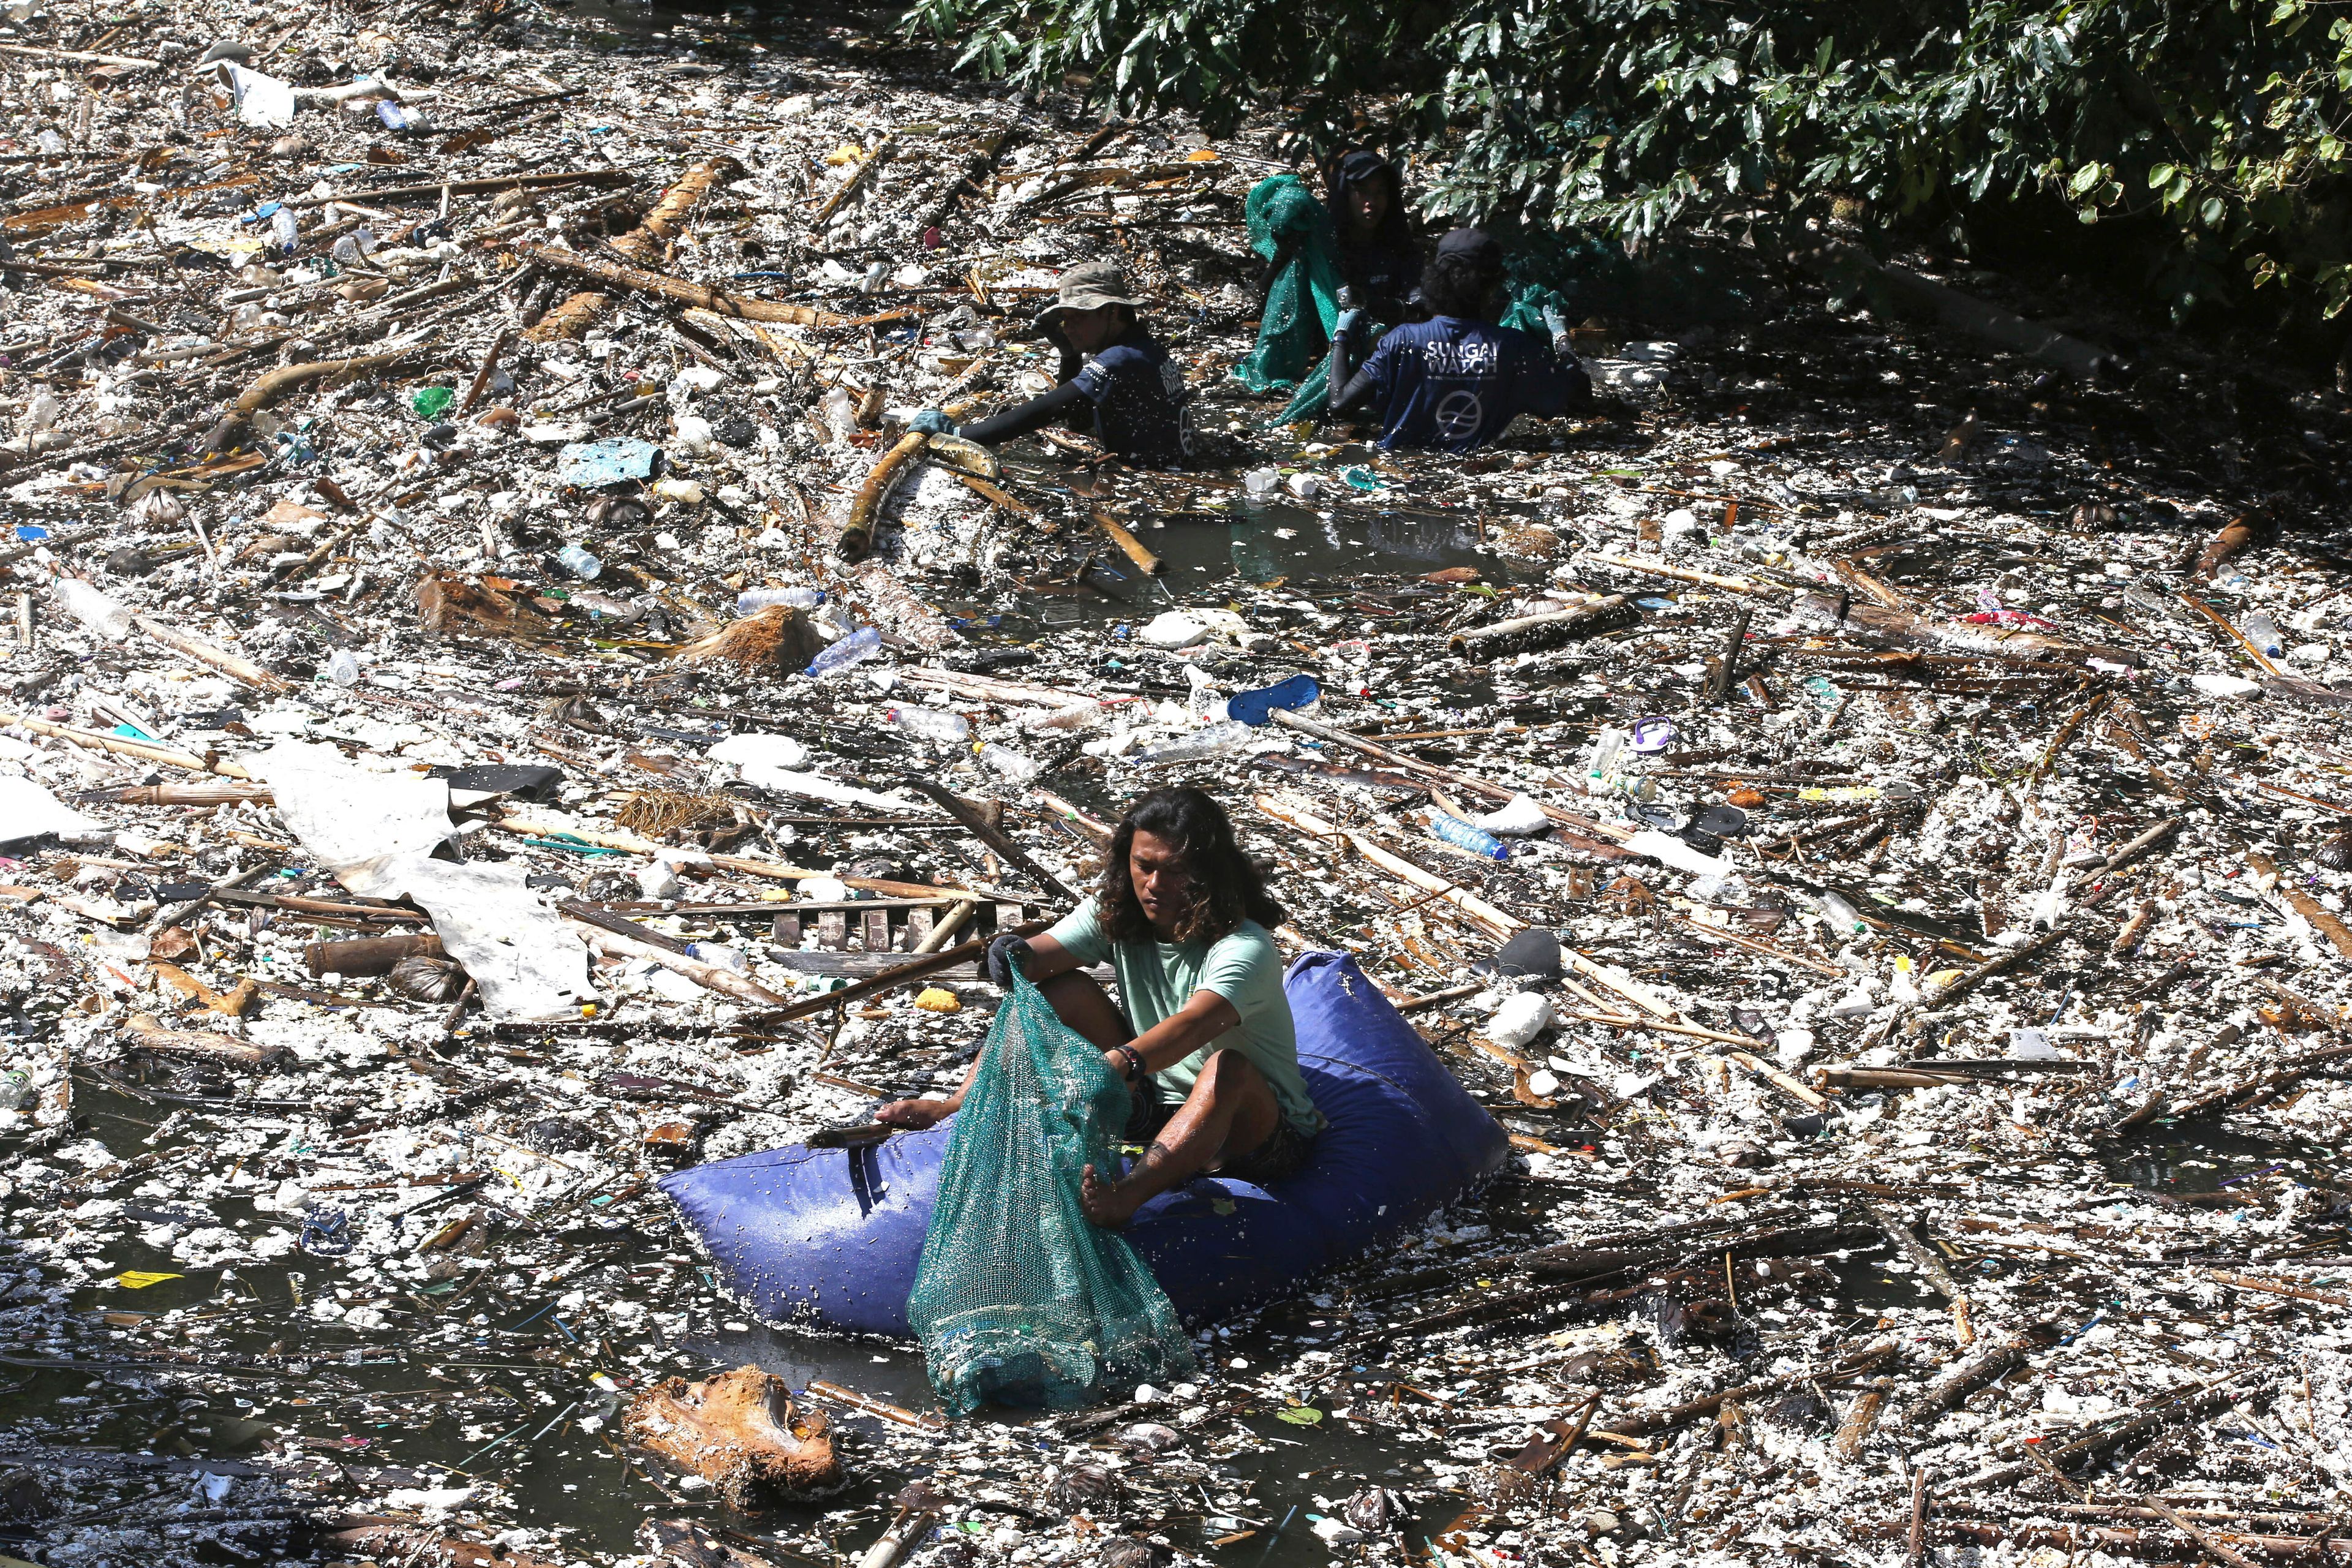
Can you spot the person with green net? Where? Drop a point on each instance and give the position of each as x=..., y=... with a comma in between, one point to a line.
x=1207, y=1045
x=1378, y=254
x=1319, y=266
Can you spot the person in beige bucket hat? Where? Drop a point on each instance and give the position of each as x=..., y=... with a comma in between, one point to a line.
x=1117, y=382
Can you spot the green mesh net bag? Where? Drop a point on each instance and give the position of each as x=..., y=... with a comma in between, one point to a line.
x=1019, y=1299
x=1303, y=306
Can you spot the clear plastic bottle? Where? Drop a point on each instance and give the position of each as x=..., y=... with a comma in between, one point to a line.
x=343, y=669
x=1077, y=716
x=579, y=563
x=751, y=601
x=15, y=1089
x=1004, y=761
x=719, y=955
x=1202, y=745
x=931, y=724
x=93, y=609
x=860, y=644
x=42, y=412
x=286, y=229
x=1838, y=910
x=840, y=411
x=2262, y=632
x=1467, y=835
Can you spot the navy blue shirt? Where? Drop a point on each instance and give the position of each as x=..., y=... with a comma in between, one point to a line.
x=1139, y=399
x=1456, y=383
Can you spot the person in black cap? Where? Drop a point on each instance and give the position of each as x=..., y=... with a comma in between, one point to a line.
x=1378, y=254
x=1456, y=380
x=1115, y=382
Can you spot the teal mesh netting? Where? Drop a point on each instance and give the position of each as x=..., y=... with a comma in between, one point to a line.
x=1304, y=303
x=1020, y=1299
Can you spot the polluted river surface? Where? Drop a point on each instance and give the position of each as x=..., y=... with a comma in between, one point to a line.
x=510, y=715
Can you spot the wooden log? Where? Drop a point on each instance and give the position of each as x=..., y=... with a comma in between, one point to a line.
x=1861, y=1420
x=1868, y=1359
x=699, y=296
x=271, y=386
x=145, y=751
x=1118, y=533
x=857, y=541
x=1414, y=766
x=1963, y=1378
x=147, y=1032
x=2299, y=899
x=220, y=659
x=1535, y=633
x=1898, y=290
x=368, y=955
x=1877, y=624
x=710, y=976
x=1006, y=847
x=2126, y=1541
x=899, y=974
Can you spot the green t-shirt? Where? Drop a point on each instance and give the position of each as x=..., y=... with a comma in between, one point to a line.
x=1157, y=978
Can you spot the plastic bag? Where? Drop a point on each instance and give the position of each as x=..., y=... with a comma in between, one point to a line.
x=1020, y=1299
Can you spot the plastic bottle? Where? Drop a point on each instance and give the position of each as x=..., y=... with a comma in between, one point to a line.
x=578, y=562
x=1007, y=762
x=862, y=644
x=15, y=1089
x=1256, y=706
x=355, y=245
x=1077, y=716
x=1467, y=835
x=1200, y=746
x=1838, y=910
x=42, y=412
x=751, y=601
x=93, y=609
x=1561, y=344
x=840, y=413
x=343, y=669
x=1261, y=482
x=931, y=724
x=2263, y=633
x=719, y=955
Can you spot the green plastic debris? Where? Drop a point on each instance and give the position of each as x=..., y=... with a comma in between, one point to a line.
x=432, y=401
x=1299, y=1415
x=1020, y=1299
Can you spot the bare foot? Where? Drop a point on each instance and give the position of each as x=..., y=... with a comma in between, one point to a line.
x=1110, y=1204
x=913, y=1114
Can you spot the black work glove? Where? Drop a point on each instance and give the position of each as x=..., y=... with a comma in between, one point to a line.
x=1004, y=954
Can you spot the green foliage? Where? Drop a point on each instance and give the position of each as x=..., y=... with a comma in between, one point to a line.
x=2218, y=125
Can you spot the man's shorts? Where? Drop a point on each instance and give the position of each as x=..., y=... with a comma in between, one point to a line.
x=1282, y=1156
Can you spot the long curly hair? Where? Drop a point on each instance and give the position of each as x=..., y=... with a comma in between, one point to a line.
x=1227, y=885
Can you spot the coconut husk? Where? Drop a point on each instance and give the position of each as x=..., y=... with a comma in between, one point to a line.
x=657, y=812
x=740, y=1431
x=447, y=603
x=778, y=636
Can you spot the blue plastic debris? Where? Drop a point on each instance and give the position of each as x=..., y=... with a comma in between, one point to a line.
x=593, y=464
x=31, y=532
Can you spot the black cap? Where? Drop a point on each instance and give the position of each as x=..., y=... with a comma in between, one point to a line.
x=1359, y=165
x=1473, y=244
